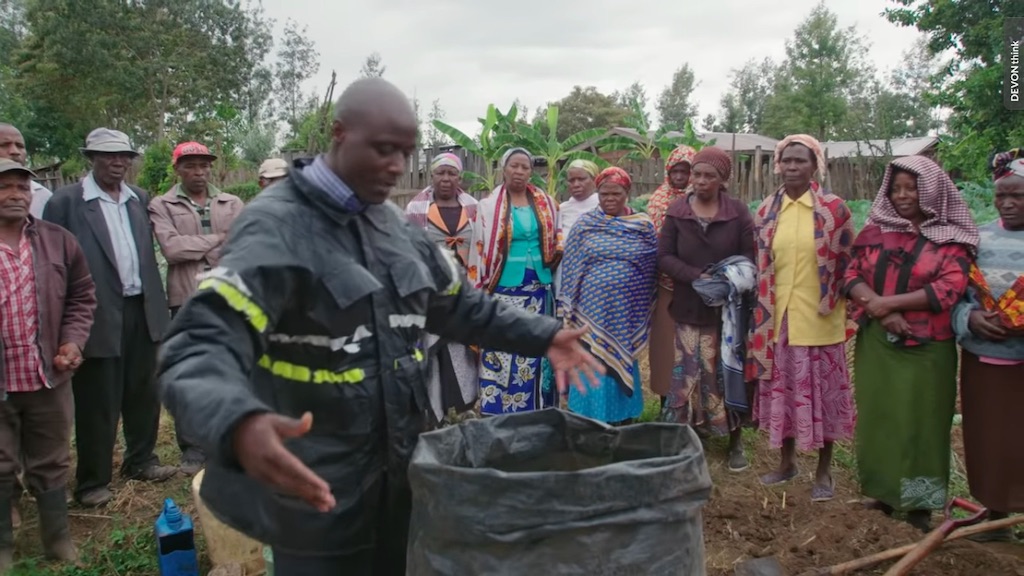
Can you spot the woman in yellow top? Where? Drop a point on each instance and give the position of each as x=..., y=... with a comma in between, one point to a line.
x=797, y=349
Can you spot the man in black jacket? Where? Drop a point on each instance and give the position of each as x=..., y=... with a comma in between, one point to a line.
x=296, y=361
x=109, y=219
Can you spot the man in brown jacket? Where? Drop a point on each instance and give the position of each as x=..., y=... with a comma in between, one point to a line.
x=191, y=221
x=47, y=300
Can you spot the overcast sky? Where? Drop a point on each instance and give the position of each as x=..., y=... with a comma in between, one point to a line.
x=469, y=53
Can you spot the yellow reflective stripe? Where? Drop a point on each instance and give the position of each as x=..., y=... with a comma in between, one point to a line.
x=297, y=373
x=418, y=355
x=238, y=301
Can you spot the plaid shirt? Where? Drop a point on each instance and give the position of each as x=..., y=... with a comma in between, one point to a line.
x=19, y=319
x=203, y=211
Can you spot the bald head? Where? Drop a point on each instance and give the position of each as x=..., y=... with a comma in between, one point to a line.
x=372, y=97
x=372, y=138
x=12, y=143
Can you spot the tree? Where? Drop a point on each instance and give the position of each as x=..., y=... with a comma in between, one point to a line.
x=582, y=109
x=372, y=67
x=823, y=73
x=674, y=104
x=521, y=110
x=435, y=138
x=634, y=93
x=167, y=64
x=971, y=79
x=297, y=61
x=741, y=108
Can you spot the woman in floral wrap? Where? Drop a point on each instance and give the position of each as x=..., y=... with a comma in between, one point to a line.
x=608, y=287
x=797, y=349
x=516, y=248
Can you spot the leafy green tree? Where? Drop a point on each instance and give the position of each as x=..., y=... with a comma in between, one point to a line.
x=297, y=61
x=675, y=103
x=742, y=106
x=156, y=174
x=583, y=109
x=823, y=73
x=166, y=63
x=635, y=93
x=967, y=34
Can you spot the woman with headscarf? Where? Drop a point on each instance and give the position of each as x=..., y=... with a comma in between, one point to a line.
x=580, y=175
x=608, y=286
x=700, y=230
x=908, y=269
x=516, y=248
x=447, y=213
x=797, y=348
x=989, y=324
x=661, y=353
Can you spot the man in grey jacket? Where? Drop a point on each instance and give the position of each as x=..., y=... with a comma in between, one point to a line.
x=296, y=363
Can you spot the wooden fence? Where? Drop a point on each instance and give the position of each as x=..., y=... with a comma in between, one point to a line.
x=856, y=178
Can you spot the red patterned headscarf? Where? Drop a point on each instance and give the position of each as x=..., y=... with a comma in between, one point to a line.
x=947, y=217
x=614, y=175
x=1006, y=163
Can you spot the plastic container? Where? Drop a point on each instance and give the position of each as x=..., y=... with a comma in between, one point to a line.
x=175, y=542
x=225, y=545
x=575, y=498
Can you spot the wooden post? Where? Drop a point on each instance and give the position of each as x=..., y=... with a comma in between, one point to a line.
x=735, y=173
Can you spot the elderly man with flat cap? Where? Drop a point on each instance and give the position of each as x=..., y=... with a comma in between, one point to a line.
x=296, y=362
x=47, y=299
x=272, y=170
x=191, y=221
x=109, y=219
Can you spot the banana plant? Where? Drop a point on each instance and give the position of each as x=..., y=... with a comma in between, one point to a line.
x=495, y=137
x=650, y=142
x=557, y=153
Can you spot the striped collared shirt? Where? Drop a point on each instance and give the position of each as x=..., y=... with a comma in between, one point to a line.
x=319, y=174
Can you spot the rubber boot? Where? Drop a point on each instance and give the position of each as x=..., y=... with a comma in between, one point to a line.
x=6, y=529
x=53, y=526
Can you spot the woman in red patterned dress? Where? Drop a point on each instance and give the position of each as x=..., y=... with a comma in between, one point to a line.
x=909, y=270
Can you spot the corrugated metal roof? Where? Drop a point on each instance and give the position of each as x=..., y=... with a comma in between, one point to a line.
x=895, y=147
x=724, y=140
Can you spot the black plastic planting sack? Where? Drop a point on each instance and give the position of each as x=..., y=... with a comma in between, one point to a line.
x=552, y=493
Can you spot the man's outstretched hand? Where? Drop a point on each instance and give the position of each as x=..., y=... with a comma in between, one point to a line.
x=259, y=448
x=569, y=358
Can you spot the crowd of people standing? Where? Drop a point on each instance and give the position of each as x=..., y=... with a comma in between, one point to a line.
x=744, y=315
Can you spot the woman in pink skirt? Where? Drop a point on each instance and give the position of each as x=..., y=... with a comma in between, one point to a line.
x=797, y=348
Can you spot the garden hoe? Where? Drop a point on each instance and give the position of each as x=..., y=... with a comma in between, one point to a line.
x=936, y=537
x=894, y=553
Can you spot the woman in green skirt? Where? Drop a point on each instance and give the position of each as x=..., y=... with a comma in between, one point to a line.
x=910, y=266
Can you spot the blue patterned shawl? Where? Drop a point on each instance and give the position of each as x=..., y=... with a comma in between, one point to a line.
x=608, y=283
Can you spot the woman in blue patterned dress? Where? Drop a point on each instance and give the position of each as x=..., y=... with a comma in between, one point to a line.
x=608, y=285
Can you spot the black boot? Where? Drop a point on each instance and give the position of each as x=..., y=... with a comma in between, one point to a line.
x=1000, y=535
x=6, y=528
x=53, y=526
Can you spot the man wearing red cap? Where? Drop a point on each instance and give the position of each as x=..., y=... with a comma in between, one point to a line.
x=191, y=221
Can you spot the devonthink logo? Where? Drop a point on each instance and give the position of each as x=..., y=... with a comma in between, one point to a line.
x=1013, y=37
